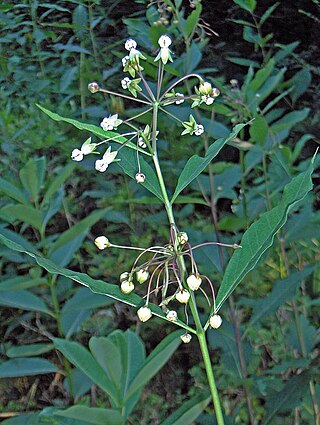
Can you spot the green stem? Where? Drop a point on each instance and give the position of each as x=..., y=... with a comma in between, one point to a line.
x=212, y=383
x=193, y=307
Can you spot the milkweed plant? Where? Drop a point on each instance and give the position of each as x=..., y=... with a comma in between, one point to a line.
x=167, y=276
x=169, y=273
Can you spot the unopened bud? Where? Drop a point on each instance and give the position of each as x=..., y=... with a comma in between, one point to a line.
x=215, y=321
x=194, y=282
x=182, y=238
x=183, y=296
x=102, y=242
x=144, y=314
x=140, y=178
x=127, y=286
x=124, y=276
x=172, y=315
x=186, y=338
x=142, y=275
x=93, y=87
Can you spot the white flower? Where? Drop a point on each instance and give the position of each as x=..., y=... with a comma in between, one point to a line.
x=125, y=61
x=142, y=275
x=102, y=242
x=182, y=238
x=215, y=321
x=126, y=286
x=140, y=177
x=108, y=157
x=183, y=296
x=111, y=122
x=172, y=315
x=86, y=149
x=198, y=130
x=164, y=41
x=165, y=54
x=180, y=98
x=208, y=100
x=77, y=155
x=194, y=282
x=101, y=165
x=125, y=82
x=186, y=338
x=144, y=313
x=130, y=44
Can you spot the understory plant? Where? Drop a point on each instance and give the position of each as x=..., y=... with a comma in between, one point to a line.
x=165, y=279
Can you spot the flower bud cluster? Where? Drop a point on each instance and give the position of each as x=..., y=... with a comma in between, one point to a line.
x=207, y=94
x=131, y=62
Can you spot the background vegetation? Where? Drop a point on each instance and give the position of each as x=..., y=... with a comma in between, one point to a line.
x=262, y=57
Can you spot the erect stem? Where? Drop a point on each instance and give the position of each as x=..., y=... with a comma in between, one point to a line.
x=192, y=303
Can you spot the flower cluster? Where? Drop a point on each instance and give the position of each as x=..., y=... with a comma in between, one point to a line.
x=163, y=266
x=131, y=62
x=191, y=127
x=206, y=94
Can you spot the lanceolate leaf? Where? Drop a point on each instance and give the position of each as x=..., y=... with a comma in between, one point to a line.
x=259, y=237
x=78, y=355
x=189, y=411
x=197, y=164
x=97, y=286
x=289, y=397
x=92, y=129
x=26, y=367
x=154, y=362
x=92, y=415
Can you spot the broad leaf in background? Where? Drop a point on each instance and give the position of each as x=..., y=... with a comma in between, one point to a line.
x=26, y=367
x=197, y=164
x=93, y=129
x=97, y=286
x=92, y=415
x=259, y=237
x=24, y=300
x=85, y=361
